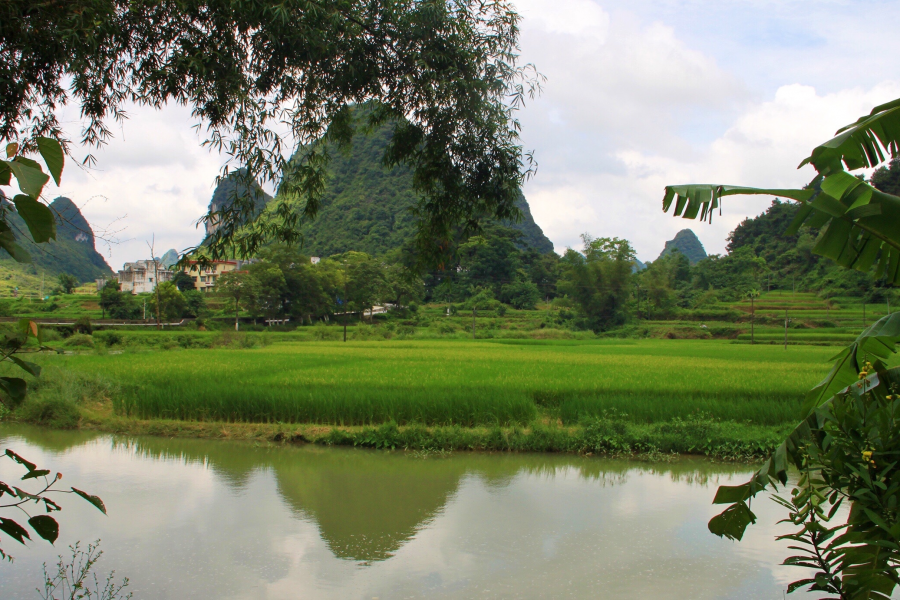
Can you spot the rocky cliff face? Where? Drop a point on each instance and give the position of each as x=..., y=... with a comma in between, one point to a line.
x=72, y=252
x=686, y=242
x=366, y=207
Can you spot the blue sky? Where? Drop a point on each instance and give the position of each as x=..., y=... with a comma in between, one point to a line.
x=639, y=94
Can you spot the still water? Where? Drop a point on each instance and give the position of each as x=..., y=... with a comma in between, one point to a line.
x=198, y=519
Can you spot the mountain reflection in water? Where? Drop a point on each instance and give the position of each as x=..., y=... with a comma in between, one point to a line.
x=195, y=518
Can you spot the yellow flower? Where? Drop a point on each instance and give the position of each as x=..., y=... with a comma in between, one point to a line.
x=867, y=455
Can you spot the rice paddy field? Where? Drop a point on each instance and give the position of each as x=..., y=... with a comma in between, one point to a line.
x=466, y=383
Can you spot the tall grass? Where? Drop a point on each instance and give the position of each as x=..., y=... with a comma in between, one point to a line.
x=462, y=382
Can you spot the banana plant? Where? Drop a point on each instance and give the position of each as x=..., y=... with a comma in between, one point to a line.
x=860, y=230
x=860, y=224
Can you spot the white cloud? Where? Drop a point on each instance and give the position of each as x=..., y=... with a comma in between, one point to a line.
x=152, y=179
x=633, y=106
x=638, y=96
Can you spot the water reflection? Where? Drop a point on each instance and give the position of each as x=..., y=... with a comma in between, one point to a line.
x=200, y=519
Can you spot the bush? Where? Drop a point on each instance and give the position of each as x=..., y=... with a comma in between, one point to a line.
x=49, y=334
x=523, y=295
x=110, y=337
x=52, y=412
x=83, y=325
x=80, y=340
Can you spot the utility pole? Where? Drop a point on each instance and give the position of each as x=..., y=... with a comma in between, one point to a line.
x=752, y=321
x=786, y=321
x=145, y=309
x=152, y=246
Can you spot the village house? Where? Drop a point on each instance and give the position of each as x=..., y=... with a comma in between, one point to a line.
x=142, y=276
x=205, y=277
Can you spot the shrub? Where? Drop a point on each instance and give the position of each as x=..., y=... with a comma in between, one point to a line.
x=51, y=411
x=110, y=337
x=49, y=334
x=83, y=325
x=80, y=340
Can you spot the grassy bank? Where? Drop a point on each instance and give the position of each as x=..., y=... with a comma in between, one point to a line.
x=603, y=436
x=461, y=382
x=600, y=396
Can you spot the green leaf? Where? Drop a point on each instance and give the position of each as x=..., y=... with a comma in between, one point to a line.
x=28, y=465
x=8, y=243
x=14, y=530
x=5, y=173
x=729, y=494
x=732, y=522
x=799, y=584
x=31, y=179
x=37, y=216
x=28, y=327
x=53, y=156
x=15, y=388
x=92, y=499
x=35, y=473
x=860, y=144
x=45, y=526
x=29, y=367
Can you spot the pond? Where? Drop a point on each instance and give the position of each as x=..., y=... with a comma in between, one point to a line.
x=213, y=519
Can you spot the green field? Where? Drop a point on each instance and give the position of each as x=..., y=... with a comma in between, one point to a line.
x=461, y=382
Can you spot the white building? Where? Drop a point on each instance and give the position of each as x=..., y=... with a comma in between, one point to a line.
x=142, y=276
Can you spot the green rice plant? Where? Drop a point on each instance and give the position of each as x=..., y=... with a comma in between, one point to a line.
x=499, y=381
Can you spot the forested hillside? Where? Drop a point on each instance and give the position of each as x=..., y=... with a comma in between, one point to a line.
x=367, y=208
x=72, y=252
x=686, y=242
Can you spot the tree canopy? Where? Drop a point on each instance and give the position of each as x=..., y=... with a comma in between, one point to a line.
x=445, y=75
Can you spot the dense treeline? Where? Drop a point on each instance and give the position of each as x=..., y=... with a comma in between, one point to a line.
x=599, y=286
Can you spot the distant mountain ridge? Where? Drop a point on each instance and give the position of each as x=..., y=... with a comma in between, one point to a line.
x=169, y=258
x=366, y=207
x=72, y=252
x=686, y=242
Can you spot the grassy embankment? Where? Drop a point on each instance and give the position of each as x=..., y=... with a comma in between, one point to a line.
x=600, y=396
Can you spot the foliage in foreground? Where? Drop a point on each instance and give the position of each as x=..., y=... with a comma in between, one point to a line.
x=850, y=435
x=75, y=580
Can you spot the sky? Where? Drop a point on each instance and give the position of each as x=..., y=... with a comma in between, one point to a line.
x=639, y=95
